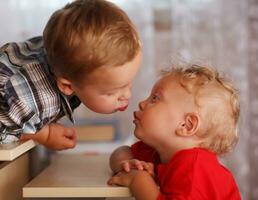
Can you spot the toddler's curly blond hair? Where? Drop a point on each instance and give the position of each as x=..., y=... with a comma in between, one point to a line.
x=218, y=105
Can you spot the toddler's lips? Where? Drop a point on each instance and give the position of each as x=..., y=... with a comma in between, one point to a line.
x=123, y=108
x=135, y=116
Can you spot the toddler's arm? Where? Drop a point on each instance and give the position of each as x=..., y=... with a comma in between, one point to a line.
x=123, y=159
x=118, y=156
x=53, y=136
x=140, y=182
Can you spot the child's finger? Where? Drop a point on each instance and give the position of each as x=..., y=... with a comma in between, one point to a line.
x=69, y=132
x=110, y=181
x=114, y=180
x=150, y=169
x=138, y=165
x=151, y=172
x=145, y=166
x=126, y=166
x=69, y=143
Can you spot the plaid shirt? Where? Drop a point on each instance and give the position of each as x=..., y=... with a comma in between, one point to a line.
x=29, y=97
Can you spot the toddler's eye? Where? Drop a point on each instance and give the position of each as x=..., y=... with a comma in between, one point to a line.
x=154, y=98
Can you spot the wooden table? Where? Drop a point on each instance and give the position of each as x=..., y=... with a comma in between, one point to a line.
x=75, y=176
x=9, y=152
x=14, y=169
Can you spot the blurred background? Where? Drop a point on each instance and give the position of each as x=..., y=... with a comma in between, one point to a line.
x=221, y=33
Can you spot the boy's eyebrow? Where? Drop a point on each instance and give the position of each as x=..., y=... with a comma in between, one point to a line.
x=115, y=88
x=120, y=87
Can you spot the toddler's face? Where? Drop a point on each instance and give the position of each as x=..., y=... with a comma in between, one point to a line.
x=108, y=89
x=162, y=112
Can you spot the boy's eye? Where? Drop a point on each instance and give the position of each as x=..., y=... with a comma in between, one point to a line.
x=110, y=93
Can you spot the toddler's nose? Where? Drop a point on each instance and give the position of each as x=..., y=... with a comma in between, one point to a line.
x=142, y=104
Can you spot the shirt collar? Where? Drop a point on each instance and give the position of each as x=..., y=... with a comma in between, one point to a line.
x=67, y=108
x=69, y=103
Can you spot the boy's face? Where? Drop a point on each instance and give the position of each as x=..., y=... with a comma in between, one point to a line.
x=162, y=112
x=108, y=89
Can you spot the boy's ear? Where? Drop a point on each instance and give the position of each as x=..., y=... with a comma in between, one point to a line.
x=189, y=126
x=65, y=86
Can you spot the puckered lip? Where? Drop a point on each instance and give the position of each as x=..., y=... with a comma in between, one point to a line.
x=136, y=115
x=123, y=108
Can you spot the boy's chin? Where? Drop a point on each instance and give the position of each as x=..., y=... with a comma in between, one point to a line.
x=102, y=111
x=108, y=112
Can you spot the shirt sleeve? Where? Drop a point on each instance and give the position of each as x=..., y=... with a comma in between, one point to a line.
x=29, y=97
x=16, y=117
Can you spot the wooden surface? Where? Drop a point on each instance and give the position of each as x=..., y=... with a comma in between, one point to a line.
x=75, y=176
x=11, y=151
x=13, y=176
x=91, y=133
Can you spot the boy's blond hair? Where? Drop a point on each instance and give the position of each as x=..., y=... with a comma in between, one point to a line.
x=87, y=34
x=218, y=105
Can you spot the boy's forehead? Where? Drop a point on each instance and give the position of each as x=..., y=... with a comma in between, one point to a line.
x=116, y=76
x=111, y=78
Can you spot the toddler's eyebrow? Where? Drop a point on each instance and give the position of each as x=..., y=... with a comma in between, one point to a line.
x=158, y=89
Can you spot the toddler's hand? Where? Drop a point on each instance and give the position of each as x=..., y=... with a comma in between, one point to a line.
x=127, y=165
x=123, y=178
x=60, y=137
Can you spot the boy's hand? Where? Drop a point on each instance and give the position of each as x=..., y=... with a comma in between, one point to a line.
x=60, y=137
x=127, y=165
x=53, y=136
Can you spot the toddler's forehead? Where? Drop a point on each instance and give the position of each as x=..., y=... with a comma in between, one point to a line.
x=167, y=82
x=170, y=86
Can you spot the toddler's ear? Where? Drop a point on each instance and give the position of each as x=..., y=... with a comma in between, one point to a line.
x=189, y=126
x=64, y=86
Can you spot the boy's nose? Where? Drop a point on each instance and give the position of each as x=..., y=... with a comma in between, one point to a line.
x=126, y=94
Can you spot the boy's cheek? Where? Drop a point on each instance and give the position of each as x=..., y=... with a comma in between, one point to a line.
x=104, y=109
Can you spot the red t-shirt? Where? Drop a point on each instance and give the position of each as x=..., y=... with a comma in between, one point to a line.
x=191, y=174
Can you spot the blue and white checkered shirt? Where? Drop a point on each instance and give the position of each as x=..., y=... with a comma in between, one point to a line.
x=29, y=97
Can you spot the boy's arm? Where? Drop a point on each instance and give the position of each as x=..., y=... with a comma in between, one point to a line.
x=53, y=136
x=41, y=136
x=120, y=154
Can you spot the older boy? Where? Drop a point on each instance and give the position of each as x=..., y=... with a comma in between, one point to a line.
x=189, y=119
x=90, y=53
